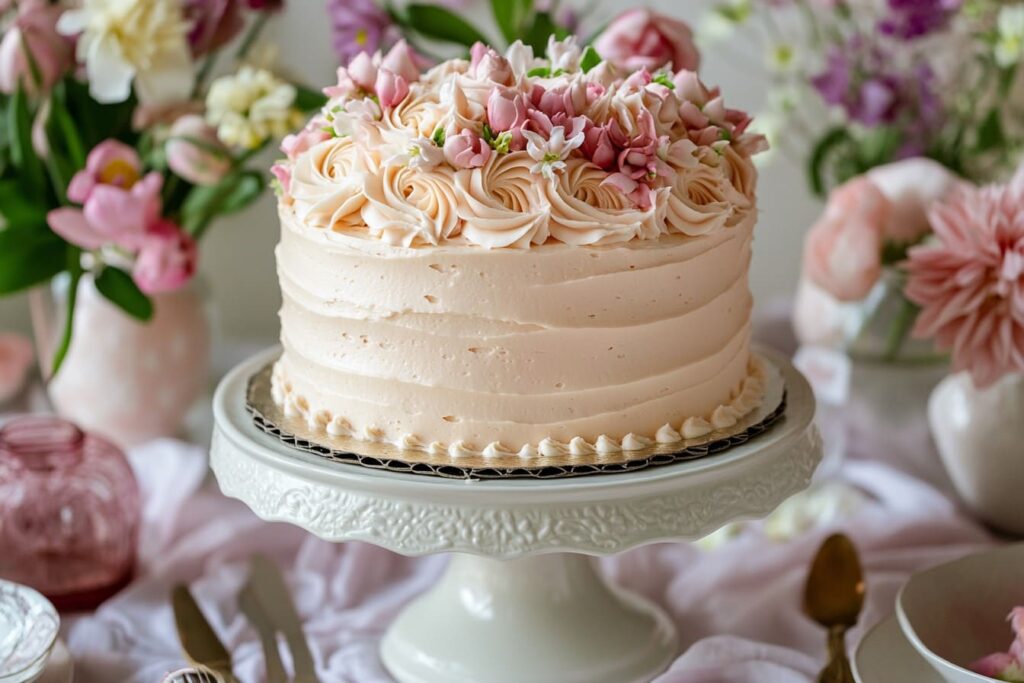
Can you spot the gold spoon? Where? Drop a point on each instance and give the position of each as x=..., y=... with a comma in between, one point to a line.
x=833, y=598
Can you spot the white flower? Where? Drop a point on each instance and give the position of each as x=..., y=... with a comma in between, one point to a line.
x=521, y=58
x=415, y=152
x=126, y=40
x=1010, y=43
x=351, y=117
x=564, y=55
x=251, y=106
x=551, y=154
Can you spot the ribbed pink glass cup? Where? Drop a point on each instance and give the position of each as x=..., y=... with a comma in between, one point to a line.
x=69, y=512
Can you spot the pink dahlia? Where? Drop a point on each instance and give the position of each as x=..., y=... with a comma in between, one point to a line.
x=970, y=283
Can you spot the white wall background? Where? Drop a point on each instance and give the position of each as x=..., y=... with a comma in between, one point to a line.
x=238, y=257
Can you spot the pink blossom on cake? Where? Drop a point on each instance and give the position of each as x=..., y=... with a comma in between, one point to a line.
x=641, y=38
x=487, y=65
x=843, y=250
x=969, y=281
x=466, y=150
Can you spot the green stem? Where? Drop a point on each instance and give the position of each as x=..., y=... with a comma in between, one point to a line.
x=899, y=329
x=250, y=38
x=75, y=271
x=204, y=73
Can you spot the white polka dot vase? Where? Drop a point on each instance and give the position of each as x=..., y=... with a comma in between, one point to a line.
x=123, y=379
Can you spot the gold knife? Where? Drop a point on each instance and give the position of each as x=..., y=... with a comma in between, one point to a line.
x=272, y=593
x=199, y=641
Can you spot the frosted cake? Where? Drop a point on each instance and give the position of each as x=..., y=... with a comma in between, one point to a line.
x=517, y=254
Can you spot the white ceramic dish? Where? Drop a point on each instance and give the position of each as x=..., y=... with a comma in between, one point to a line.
x=28, y=631
x=955, y=613
x=885, y=656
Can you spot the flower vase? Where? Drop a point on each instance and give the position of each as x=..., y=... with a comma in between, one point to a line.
x=888, y=375
x=980, y=437
x=123, y=379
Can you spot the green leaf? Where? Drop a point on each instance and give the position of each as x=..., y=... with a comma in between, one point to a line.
x=307, y=99
x=511, y=15
x=543, y=27
x=589, y=59
x=30, y=254
x=120, y=289
x=539, y=72
x=68, y=130
x=16, y=207
x=23, y=156
x=233, y=193
x=442, y=24
x=825, y=147
x=990, y=133
x=440, y=135
x=73, y=262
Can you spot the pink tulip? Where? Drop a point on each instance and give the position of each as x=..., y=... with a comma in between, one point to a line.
x=507, y=110
x=466, y=150
x=35, y=30
x=195, y=153
x=843, y=250
x=363, y=70
x=112, y=215
x=487, y=65
x=390, y=88
x=109, y=163
x=15, y=360
x=167, y=259
x=401, y=60
x=640, y=38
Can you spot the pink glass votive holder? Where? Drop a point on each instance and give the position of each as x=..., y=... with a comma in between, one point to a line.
x=69, y=512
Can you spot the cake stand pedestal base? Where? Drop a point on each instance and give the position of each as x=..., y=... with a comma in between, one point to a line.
x=544, y=619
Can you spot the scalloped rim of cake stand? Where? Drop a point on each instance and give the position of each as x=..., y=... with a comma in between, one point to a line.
x=602, y=514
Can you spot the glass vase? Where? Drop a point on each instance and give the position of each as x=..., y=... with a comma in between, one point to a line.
x=69, y=512
x=127, y=380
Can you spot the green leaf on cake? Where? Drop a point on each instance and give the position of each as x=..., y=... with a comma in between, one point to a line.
x=590, y=59
x=442, y=24
x=120, y=289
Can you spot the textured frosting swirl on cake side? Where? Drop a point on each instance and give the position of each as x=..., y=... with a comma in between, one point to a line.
x=506, y=349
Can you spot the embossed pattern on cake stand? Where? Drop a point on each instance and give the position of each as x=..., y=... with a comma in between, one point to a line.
x=521, y=601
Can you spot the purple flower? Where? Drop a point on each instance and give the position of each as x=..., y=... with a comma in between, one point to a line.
x=360, y=26
x=909, y=19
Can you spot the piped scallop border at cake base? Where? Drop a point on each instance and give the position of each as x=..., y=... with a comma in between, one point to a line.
x=294, y=431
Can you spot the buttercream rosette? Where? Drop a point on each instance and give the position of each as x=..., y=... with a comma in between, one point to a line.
x=327, y=185
x=503, y=203
x=406, y=205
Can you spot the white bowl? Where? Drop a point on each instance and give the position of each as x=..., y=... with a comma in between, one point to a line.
x=955, y=613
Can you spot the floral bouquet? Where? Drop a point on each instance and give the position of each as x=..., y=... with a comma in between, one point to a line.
x=118, y=151
x=896, y=79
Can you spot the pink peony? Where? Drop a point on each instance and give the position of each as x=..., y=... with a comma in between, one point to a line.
x=970, y=283
x=466, y=150
x=35, y=30
x=167, y=259
x=112, y=215
x=640, y=38
x=195, y=153
x=912, y=185
x=15, y=360
x=843, y=250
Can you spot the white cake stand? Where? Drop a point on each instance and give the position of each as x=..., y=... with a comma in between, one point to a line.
x=521, y=601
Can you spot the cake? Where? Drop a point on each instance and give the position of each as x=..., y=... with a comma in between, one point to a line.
x=517, y=255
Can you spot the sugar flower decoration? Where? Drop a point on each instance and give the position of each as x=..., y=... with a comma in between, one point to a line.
x=550, y=154
x=970, y=282
x=125, y=41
